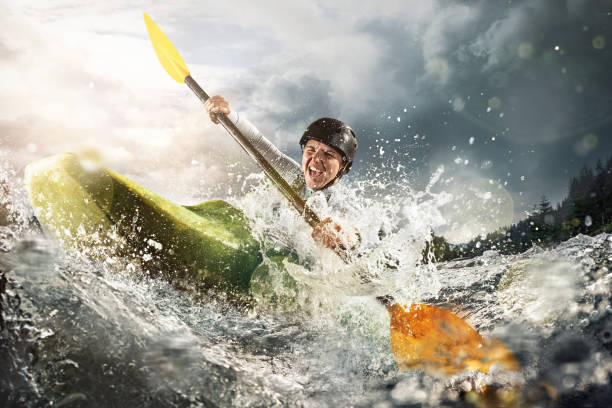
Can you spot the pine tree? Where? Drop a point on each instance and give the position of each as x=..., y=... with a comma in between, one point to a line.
x=544, y=221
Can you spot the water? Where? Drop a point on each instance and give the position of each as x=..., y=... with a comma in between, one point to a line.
x=83, y=332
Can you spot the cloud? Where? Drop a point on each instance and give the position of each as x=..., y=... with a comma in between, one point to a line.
x=501, y=62
x=68, y=86
x=460, y=69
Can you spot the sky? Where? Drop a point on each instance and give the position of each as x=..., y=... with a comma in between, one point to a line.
x=511, y=98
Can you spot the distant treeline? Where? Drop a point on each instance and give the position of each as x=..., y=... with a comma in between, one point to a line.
x=586, y=210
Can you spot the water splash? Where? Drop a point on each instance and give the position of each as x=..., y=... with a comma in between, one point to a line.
x=15, y=213
x=394, y=222
x=71, y=321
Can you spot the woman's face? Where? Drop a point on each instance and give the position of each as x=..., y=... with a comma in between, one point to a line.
x=320, y=163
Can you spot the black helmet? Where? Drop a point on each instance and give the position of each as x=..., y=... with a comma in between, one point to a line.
x=335, y=133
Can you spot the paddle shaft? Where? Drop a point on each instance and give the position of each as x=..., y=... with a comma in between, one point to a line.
x=281, y=184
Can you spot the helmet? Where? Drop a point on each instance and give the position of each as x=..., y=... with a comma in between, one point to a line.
x=337, y=134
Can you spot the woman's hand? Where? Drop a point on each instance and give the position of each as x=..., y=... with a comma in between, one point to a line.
x=331, y=235
x=216, y=104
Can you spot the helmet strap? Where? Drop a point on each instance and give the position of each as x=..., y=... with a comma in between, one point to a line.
x=338, y=175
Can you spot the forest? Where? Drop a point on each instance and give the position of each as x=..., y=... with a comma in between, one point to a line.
x=587, y=209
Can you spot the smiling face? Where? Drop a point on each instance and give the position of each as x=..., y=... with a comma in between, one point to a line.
x=320, y=163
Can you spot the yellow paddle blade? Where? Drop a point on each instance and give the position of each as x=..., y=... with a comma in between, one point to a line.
x=432, y=339
x=166, y=53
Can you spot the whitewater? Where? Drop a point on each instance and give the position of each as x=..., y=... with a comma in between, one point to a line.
x=83, y=331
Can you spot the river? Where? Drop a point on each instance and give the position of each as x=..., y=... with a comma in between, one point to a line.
x=78, y=331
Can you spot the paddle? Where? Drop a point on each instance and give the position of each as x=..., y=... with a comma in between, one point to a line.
x=422, y=336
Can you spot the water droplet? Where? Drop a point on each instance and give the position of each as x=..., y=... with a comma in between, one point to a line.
x=599, y=42
x=458, y=104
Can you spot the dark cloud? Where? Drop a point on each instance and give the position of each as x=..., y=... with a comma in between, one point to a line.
x=532, y=75
x=283, y=106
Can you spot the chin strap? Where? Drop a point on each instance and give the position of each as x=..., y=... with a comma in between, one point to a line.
x=340, y=174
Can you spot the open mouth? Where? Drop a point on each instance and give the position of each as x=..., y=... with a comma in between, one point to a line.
x=315, y=173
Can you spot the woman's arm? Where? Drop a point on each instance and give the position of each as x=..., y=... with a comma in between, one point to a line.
x=332, y=235
x=286, y=166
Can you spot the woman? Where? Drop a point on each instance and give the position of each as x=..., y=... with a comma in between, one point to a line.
x=328, y=148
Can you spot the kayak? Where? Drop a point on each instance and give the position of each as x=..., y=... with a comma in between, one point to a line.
x=98, y=212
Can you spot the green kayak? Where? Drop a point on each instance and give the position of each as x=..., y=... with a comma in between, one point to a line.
x=96, y=211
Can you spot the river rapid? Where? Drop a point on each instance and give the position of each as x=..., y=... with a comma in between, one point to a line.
x=77, y=331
